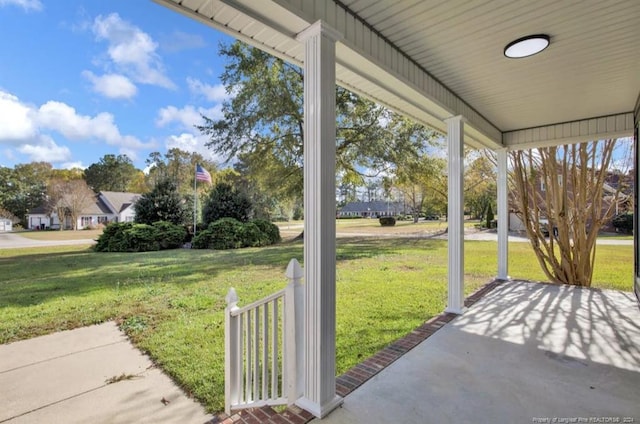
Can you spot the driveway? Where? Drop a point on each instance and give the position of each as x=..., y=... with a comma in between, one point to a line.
x=492, y=235
x=13, y=241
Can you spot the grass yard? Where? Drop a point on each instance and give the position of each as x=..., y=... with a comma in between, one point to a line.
x=61, y=235
x=171, y=303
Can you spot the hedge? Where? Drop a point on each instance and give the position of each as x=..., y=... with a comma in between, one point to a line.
x=229, y=233
x=130, y=237
x=387, y=221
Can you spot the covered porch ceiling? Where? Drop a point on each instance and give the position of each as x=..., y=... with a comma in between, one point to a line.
x=434, y=59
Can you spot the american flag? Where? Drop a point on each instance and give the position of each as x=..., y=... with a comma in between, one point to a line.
x=202, y=174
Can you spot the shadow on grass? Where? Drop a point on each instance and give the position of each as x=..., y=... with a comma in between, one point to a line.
x=33, y=278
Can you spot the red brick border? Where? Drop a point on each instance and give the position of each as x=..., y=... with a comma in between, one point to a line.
x=359, y=374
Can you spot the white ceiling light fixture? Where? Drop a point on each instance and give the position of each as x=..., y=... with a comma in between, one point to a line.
x=527, y=46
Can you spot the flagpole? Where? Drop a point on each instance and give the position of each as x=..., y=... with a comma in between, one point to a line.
x=195, y=200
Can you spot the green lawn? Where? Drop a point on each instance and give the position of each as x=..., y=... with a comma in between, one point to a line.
x=171, y=303
x=61, y=235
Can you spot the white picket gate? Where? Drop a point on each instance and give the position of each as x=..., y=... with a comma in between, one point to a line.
x=263, y=347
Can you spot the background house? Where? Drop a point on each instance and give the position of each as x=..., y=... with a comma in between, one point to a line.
x=5, y=225
x=108, y=206
x=373, y=209
x=616, y=193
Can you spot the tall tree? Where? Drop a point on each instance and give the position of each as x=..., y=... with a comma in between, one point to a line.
x=415, y=180
x=563, y=189
x=225, y=201
x=262, y=124
x=162, y=203
x=111, y=173
x=24, y=187
x=480, y=183
x=415, y=171
x=178, y=166
x=67, y=174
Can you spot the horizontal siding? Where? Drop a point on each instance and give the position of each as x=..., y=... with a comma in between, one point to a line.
x=613, y=126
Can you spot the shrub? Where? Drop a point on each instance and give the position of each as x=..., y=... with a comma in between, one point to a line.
x=225, y=233
x=251, y=236
x=170, y=236
x=229, y=233
x=142, y=238
x=270, y=230
x=623, y=223
x=130, y=237
x=202, y=240
x=489, y=217
x=113, y=238
x=163, y=203
x=387, y=221
x=225, y=201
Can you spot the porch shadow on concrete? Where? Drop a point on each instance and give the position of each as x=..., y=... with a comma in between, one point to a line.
x=524, y=351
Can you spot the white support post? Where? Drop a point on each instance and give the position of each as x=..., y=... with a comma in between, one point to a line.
x=503, y=216
x=455, y=213
x=232, y=355
x=294, y=322
x=319, y=395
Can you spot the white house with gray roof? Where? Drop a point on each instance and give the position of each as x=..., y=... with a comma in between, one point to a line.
x=373, y=209
x=109, y=206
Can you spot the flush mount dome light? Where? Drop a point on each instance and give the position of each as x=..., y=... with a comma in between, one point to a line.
x=526, y=46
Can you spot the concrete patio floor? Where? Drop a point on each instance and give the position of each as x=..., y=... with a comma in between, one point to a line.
x=524, y=353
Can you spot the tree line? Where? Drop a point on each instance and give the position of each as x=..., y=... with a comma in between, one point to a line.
x=68, y=191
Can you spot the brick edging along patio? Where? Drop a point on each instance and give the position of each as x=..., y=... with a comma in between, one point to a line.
x=359, y=374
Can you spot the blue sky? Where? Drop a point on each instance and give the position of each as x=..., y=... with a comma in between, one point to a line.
x=83, y=78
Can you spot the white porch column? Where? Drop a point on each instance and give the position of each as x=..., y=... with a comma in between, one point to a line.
x=503, y=216
x=319, y=386
x=455, y=213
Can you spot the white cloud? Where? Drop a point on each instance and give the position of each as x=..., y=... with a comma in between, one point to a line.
x=46, y=150
x=189, y=139
x=131, y=153
x=191, y=143
x=16, y=121
x=213, y=93
x=27, y=5
x=72, y=165
x=27, y=129
x=132, y=51
x=187, y=117
x=113, y=86
x=64, y=119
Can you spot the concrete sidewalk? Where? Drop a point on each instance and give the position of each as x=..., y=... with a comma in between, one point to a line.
x=15, y=241
x=91, y=374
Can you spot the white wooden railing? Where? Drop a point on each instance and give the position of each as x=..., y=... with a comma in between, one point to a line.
x=263, y=347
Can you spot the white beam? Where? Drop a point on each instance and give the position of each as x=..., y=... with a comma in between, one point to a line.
x=455, y=213
x=503, y=216
x=319, y=395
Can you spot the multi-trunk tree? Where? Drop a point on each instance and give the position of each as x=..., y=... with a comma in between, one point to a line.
x=68, y=198
x=563, y=199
